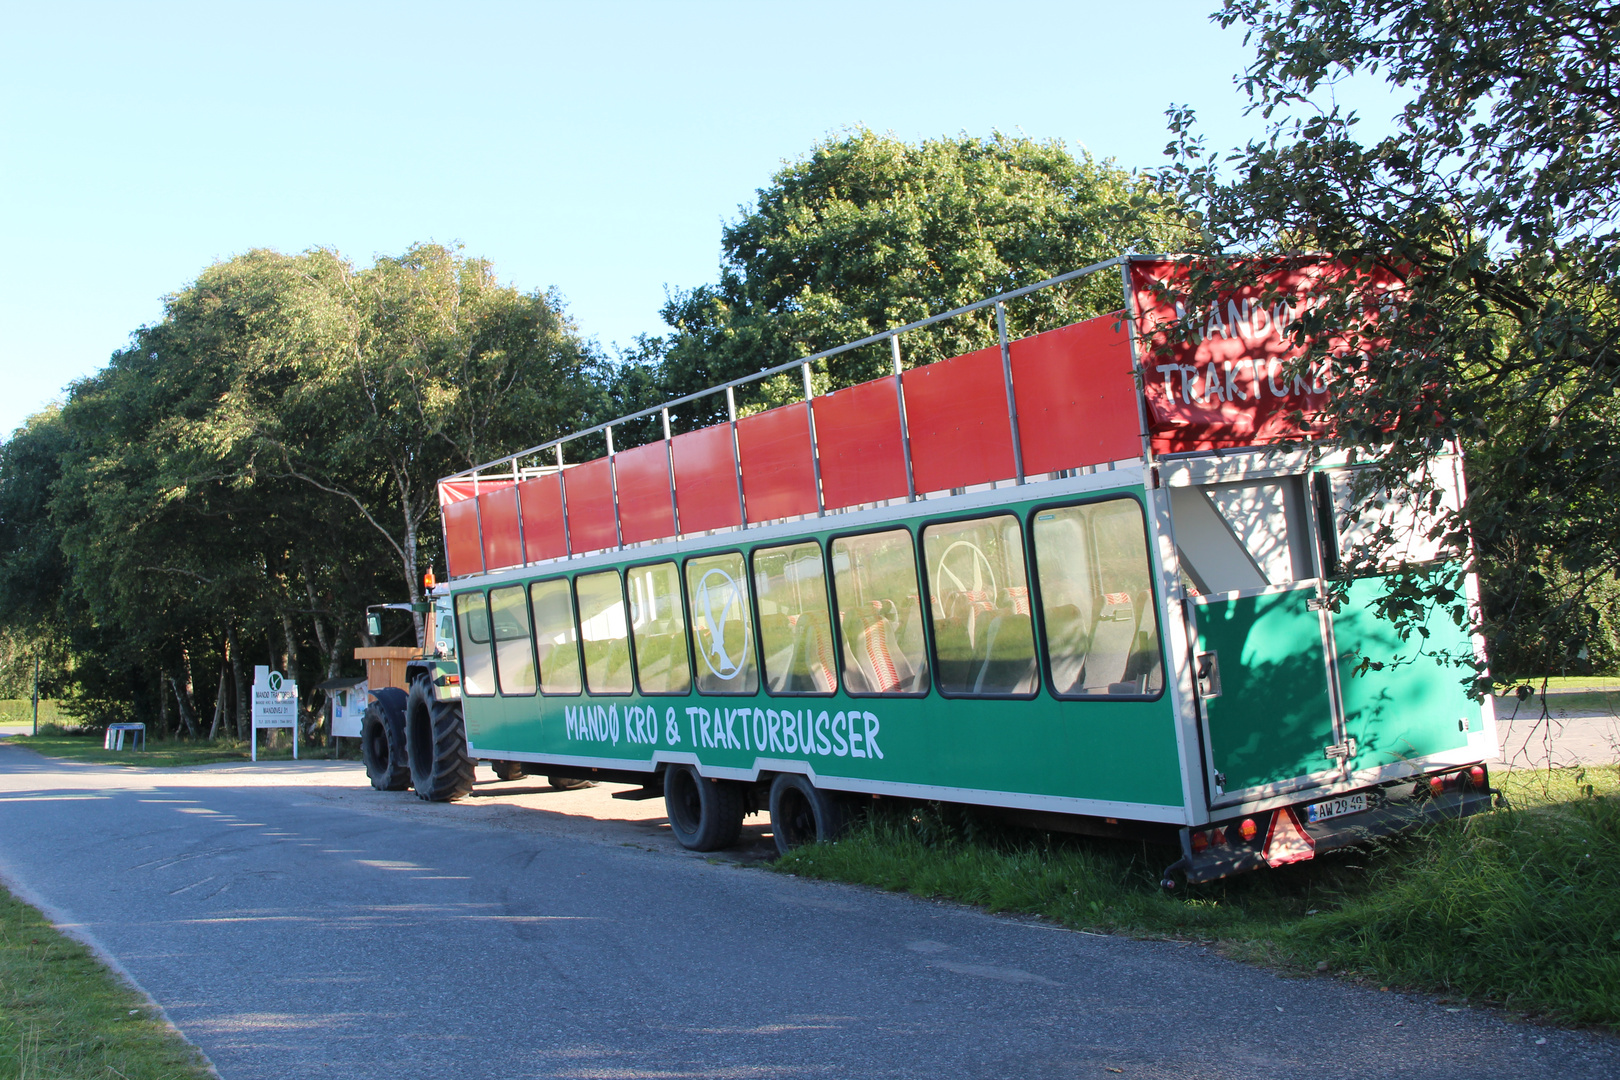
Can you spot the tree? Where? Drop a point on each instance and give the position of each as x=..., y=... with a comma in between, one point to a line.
x=237, y=485
x=1493, y=202
x=428, y=365
x=867, y=233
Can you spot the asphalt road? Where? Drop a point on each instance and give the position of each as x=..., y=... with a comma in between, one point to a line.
x=294, y=923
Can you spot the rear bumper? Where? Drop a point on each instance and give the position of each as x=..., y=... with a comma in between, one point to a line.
x=1398, y=808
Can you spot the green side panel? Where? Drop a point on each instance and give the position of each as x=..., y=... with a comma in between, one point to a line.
x=1411, y=708
x=1274, y=717
x=1118, y=751
x=1122, y=751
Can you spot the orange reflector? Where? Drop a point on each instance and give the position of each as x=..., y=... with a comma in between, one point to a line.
x=1217, y=836
x=1287, y=841
x=1200, y=841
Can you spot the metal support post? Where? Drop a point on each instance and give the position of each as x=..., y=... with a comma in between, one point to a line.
x=613, y=485
x=1138, y=362
x=669, y=457
x=517, y=497
x=562, y=495
x=1012, y=402
x=36, y=693
x=736, y=455
x=815, y=453
x=905, y=432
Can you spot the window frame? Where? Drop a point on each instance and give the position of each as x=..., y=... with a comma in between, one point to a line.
x=753, y=617
x=1038, y=602
x=1025, y=543
x=528, y=615
x=579, y=627
x=489, y=646
x=912, y=529
x=630, y=629
x=573, y=616
x=759, y=645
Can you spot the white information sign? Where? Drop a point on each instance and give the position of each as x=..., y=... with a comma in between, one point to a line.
x=348, y=709
x=275, y=705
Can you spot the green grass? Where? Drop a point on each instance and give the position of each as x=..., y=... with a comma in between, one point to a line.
x=1519, y=907
x=63, y=1016
x=1589, y=701
x=158, y=752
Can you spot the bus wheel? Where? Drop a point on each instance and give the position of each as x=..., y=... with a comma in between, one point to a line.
x=568, y=783
x=382, y=741
x=440, y=768
x=704, y=815
x=507, y=770
x=802, y=813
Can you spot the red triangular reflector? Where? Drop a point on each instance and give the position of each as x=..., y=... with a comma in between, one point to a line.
x=1287, y=841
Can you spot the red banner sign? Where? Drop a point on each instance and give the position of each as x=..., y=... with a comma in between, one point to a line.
x=1227, y=379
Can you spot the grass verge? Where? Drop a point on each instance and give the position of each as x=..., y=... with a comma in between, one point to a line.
x=1519, y=907
x=64, y=1016
x=158, y=752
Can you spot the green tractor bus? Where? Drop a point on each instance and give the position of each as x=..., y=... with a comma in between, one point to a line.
x=1066, y=577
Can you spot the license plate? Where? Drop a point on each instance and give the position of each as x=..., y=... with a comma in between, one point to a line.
x=1348, y=804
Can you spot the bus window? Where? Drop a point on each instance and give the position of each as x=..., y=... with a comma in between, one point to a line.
x=1102, y=630
x=556, y=641
x=794, y=626
x=717, y=589
x=875, y=587
x=514, y=656
x=659, y=629
x=472, y=620
x=606, y=637
x=978, y=597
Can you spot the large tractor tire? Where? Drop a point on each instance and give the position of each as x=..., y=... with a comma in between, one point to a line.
x=802, y=813
x=382, y=741
x=441, y=771
x=507, y=770
x=704, y=815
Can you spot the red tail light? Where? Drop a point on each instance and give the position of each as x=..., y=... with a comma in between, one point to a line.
x=1200, y=841
x=1437, y=784
x=1249, y=829
x=1217, y=836
x=1477, y=775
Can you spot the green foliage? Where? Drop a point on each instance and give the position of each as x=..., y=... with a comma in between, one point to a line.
x=868, y=233
x=1493, y=204
x=63, y=1015
x=235, y=487
x=1517, y=906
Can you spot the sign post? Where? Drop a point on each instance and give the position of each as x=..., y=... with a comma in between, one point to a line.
x=275, y=705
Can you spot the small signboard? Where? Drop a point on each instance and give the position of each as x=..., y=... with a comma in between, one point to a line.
x=348, y=709
x=275, y=705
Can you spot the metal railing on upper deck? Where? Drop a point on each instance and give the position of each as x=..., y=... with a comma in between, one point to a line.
x=1057, y=401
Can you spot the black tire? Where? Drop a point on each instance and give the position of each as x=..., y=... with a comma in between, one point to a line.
x=507, y=770
x=704, y=815
x=441, y=771
x=568, y=783
x=802, y=813
x=382, y=740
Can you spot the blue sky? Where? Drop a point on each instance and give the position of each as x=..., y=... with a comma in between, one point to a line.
x=592, y=147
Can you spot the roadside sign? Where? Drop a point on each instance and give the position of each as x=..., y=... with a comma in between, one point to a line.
x=275, y=705
x=348, y=709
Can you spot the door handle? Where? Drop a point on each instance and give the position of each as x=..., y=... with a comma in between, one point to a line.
x=1209, y=675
